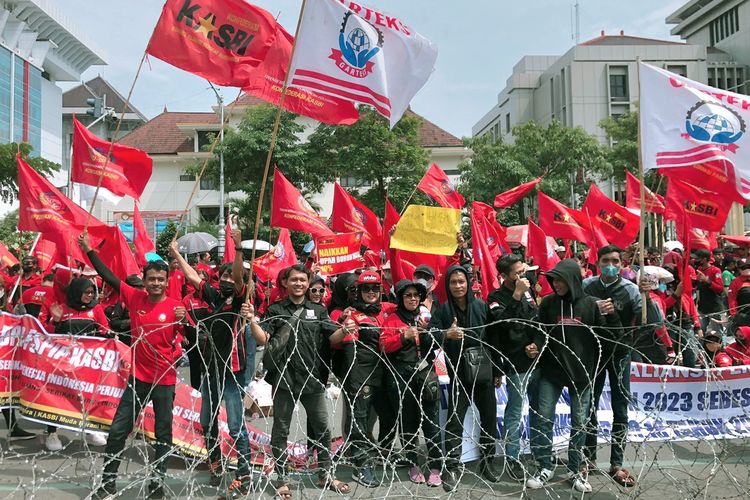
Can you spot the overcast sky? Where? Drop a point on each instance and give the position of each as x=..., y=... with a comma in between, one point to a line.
x=478, y=42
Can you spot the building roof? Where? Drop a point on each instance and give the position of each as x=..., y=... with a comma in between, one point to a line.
x=161, y=135
x=623, y=39
x=97, y=87
x=432, y=136
x=687, y=10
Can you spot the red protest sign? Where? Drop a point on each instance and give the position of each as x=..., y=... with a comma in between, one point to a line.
x=339, y=253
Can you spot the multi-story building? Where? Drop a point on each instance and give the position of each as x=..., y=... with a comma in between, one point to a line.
x=592, y=81
x=38, y=47
x=176, y=140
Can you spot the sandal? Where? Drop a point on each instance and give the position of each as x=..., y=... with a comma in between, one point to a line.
x=334, y=485
x=283, y=492
x=622, y=476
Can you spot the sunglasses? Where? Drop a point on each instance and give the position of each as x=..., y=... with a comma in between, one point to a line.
x=317, y=290
x=411, y=296
x=370, y=288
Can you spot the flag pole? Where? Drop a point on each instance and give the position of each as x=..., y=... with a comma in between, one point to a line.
x=114, y=139
x=272, y=146
x=642, y=227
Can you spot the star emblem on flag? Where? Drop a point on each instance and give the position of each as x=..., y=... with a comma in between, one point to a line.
x=207, y=25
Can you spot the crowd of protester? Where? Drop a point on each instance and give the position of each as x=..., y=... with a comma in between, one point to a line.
x=571, y=327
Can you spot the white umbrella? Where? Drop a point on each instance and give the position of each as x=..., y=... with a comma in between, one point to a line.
x=196, y=243
x=260, y=245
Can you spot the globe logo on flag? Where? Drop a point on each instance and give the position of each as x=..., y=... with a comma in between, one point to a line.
x=356, y=47
x=359, y=213
x=51, y=200
x=279, y=251
x=447, y=187
x=713, y=122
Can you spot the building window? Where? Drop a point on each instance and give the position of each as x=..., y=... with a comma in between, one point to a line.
x=18, y=99
x=618, y=83
x=210, y=214
x=507, y=123
x=187, y=178
x=678, y=70
x=34, y=118
x=353, y=182
x=724, y=26
x=205, y=139
x=208, y=184
x=5, y=62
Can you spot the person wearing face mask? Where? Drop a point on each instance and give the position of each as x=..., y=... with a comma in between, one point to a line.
x=657, y=348
x=736, y=284
x=518, y=344
x=625, y=298
x=225, y=362
x=458, y=327
x=710, y=287
x=570, y=355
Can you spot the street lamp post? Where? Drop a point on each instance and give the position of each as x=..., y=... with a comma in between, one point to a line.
x=222, y=222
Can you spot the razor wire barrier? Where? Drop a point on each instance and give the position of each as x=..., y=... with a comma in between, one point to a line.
x=689, y=447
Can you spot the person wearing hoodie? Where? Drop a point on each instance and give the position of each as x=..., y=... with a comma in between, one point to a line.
x=570, y=357
x=400, y=342
x=457, y=326
x=511, y=308
x=739, y=350
x=714, y=355
x=81, y=314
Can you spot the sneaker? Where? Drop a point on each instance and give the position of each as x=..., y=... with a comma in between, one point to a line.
x=106, y=491
x=539, y=480
x=155, y=491
x=580, y=481
x=95, y=439
x=217, y=473
x=450, y=480
x=365, y=477
x=239, y=487
x=18, y=434
x=434, y=478
x=416, y=476
x=52, y=442
x=516, y=471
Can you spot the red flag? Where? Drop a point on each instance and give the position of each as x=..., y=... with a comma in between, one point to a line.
x=219, y=40
x=511, y=196
x=115, y=252
x=268, y=79
x=349, y=215
x=559, y=221
x=702, y=209
x=437, y=186
x=718, y=177
x=618, y=224
x=540, y=248
x=495, y=232
x=292, y=211
x=595, y=237
x=389, y=221
x=480, y=246
x=125, y=174
x=7, y=259
x=279, y=257
x=46, y=253
x=229, y=251
x=654, y=202
x=141, y=241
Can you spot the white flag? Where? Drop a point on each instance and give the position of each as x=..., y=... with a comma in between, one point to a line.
x=686, y=123
x=353, y=52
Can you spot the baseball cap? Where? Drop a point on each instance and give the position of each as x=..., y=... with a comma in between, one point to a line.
x=369, y=278
x=701, y=253
x=426, y=270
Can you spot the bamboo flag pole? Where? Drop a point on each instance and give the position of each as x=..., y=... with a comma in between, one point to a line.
x=271, y=147
x=114, y=139
x=642, y=227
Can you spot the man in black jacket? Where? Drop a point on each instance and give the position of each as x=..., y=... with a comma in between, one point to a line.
x=293, y=332
x=510, y=308
x=569, y=358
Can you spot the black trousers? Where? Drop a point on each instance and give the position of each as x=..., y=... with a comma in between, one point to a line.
x=137, y=395
x=317, y=417
x=460, y=397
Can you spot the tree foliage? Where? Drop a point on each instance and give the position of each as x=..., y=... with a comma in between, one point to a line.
x=390, y=161
x=9, y=168
x=622, y=133
x=17, y=241
x=165, y=238
x=557, y=152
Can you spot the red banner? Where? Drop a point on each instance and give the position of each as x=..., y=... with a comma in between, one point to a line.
x=292, y=211
x=219, y=40
x=339, y=253
x=125, y=173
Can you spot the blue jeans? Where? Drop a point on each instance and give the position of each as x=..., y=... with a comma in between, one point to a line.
x=618, y=369
x=548, y=392
x=232, y=391
x=518, y=385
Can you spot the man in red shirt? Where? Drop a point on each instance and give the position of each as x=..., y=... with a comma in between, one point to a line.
x=36, y=300
x=737, y=283
x=156, y=323
x=710, y=287
x=176, y=288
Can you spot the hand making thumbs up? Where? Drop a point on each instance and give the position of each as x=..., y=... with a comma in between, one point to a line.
x=454, y=332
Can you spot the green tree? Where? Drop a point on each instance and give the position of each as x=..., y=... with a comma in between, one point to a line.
x=165, y=238
x=16, y=241
x=622, y=133
x=203, y=226
x=390, y=161
x=557, y=152
x=245, y=149
x=9, y=168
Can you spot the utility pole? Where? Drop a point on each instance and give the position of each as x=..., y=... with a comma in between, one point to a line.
x=222, y=223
